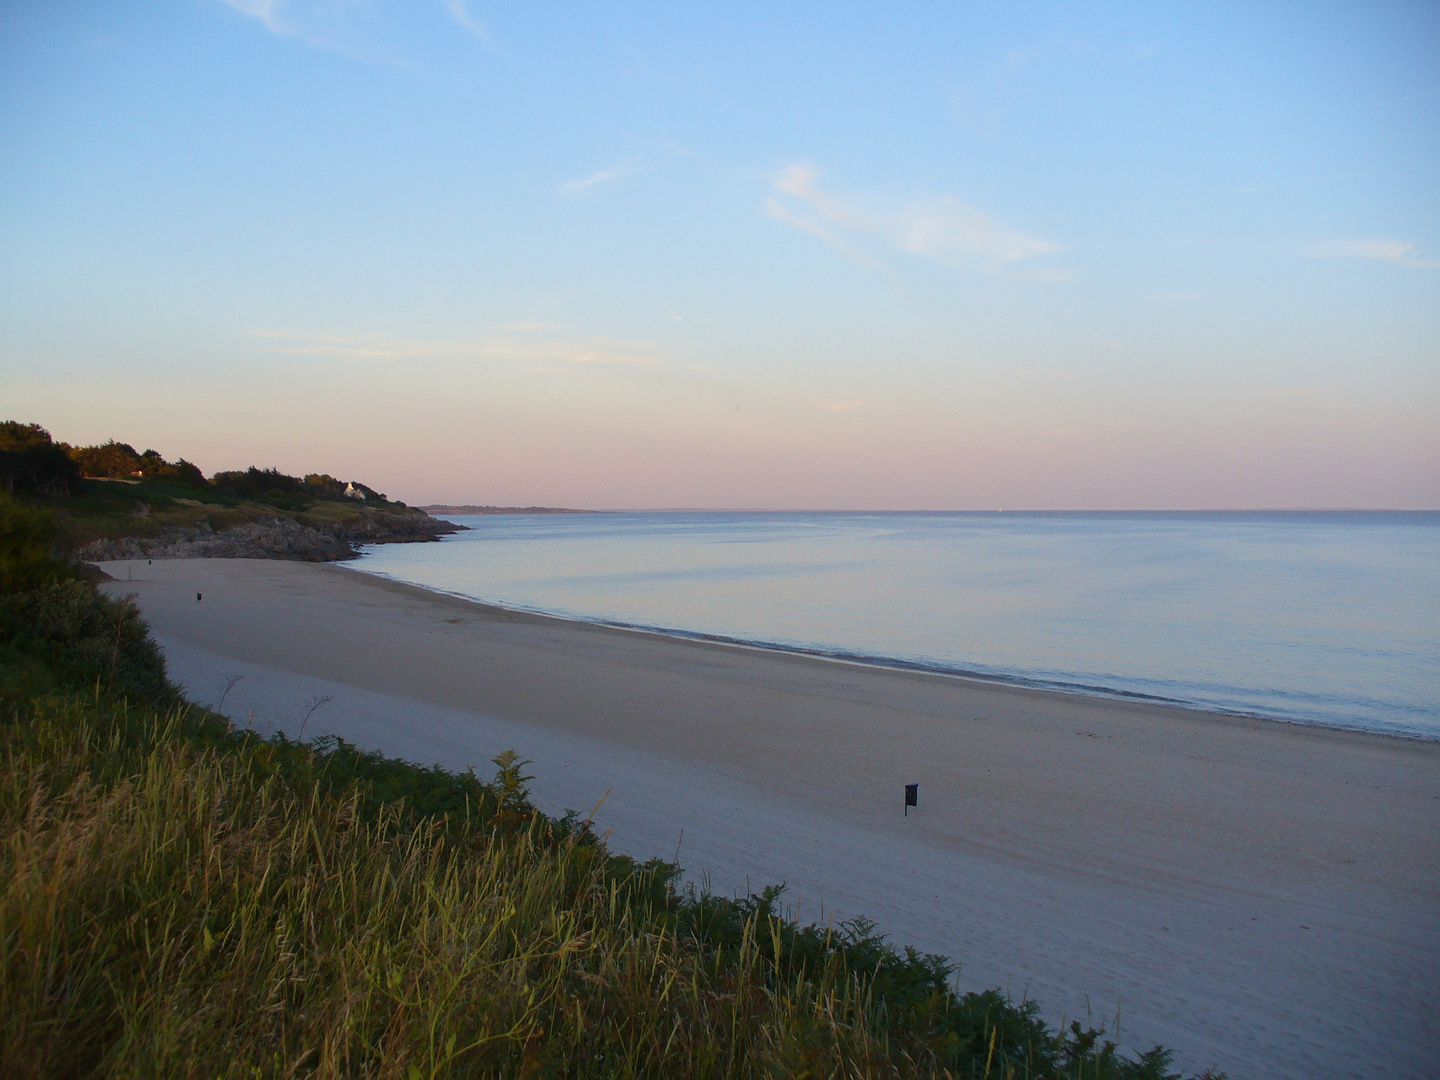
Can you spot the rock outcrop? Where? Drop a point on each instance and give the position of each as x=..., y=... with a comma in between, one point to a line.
x=273, y=538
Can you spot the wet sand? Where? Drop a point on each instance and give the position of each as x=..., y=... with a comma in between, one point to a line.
x=1262, y=897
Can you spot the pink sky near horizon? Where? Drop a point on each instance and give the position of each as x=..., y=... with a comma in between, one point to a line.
x=636, y=438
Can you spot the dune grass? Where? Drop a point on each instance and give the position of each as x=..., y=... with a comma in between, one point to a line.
x=180, y=899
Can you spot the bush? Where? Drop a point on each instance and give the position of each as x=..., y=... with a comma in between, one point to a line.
x=62, y=627
x=27, y=548
x=88, y=638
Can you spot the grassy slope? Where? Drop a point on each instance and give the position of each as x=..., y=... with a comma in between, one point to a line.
x=146, y=508
x=180, y=899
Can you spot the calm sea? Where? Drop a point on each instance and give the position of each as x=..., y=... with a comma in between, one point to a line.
x=1330, y=618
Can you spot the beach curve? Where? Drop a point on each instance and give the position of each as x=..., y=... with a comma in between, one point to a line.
x=1259, y=896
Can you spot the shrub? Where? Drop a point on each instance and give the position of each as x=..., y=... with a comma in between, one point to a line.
x=27, y=547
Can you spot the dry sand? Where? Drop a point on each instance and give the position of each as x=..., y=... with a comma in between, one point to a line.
x=1261, y=897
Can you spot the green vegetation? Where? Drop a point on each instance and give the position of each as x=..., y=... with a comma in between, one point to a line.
x=116, y=459
x=111, y=490
x=30, y=461
x=181, y=899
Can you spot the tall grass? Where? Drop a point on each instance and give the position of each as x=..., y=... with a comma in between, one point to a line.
x=177, y=899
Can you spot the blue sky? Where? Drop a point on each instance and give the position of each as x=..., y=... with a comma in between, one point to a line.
x=1106, y=256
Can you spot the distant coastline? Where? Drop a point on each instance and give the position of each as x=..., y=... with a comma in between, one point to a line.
x=448, y=508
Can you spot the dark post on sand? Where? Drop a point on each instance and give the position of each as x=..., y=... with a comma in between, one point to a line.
x=912, y=797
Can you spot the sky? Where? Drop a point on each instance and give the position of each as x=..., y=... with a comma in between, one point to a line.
x=831, y=256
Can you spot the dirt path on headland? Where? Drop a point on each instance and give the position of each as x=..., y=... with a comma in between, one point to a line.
x=1261, y=897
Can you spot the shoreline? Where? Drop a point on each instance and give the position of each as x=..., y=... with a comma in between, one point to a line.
x=1259, y=895
x=886, y=663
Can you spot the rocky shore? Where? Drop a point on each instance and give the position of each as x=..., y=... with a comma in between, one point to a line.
x=273, y=538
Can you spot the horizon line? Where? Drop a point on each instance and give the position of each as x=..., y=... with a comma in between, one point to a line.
x=918, y=510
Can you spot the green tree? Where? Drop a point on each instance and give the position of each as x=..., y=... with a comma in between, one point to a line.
x=259, y=483
x=187, y=472
x=31, y=461
x=111, y=459
x=154, y=467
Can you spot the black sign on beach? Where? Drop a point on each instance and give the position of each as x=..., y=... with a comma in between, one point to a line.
x=912, y=797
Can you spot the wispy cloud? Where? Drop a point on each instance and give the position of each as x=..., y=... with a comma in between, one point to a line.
x=266, y=11
x=778, y=211
x=527, y=350
x=461, y=14
x=347, y=27
x=601, y=176
x=1391, y=251
x=942, y=228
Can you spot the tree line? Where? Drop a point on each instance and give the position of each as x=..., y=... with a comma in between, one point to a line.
x=31, y=461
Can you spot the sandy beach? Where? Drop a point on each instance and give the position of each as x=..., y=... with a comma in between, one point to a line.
x=1262, y=897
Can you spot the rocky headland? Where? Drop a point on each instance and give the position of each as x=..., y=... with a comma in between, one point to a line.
x=274, y=537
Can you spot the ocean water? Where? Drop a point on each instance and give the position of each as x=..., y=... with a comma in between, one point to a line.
x=1330, y=618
